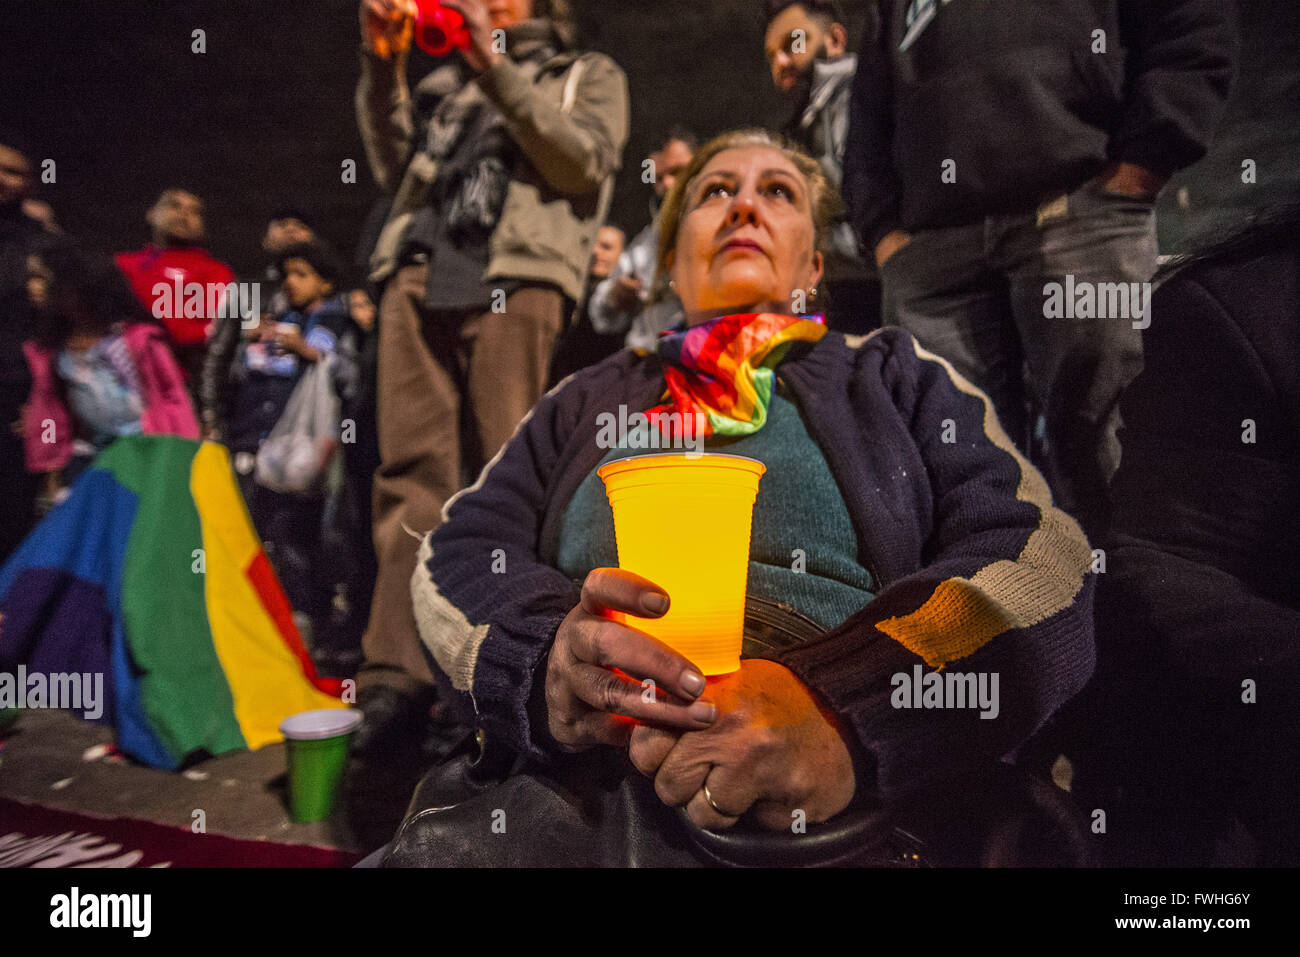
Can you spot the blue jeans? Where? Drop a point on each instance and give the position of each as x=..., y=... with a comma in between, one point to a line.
x=978, y=295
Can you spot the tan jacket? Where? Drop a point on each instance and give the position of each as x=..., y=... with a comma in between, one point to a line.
x=570, y=119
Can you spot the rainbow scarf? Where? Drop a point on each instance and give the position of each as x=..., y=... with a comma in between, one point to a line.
x=724, y=368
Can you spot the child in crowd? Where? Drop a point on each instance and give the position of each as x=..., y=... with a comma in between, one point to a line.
x=101, y=367
x=270, y=363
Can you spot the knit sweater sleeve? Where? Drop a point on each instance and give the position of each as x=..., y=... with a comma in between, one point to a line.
x=1003, y=593
x=487, y=607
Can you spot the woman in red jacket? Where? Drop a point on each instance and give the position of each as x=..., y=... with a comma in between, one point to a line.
x=101, y=367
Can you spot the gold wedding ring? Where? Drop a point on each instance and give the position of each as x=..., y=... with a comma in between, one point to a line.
x=709, y=799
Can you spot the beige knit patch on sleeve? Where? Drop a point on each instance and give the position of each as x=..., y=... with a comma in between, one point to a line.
x=444, y=629
x=963, y=614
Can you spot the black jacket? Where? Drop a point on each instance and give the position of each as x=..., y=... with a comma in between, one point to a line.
x=1202, y=587
x=1014, y=94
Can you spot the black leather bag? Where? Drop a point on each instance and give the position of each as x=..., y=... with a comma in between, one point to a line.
x=486, y=808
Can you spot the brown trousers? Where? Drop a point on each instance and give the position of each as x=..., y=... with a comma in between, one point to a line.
x=437, y=370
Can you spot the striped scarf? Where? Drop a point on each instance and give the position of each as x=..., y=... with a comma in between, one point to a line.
x=724, y=368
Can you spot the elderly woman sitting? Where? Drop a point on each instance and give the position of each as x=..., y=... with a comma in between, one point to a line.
x=895, y=518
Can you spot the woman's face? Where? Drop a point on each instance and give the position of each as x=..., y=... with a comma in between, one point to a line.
x=746, y=240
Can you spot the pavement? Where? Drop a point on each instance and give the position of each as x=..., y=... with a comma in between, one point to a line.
x=56, y=760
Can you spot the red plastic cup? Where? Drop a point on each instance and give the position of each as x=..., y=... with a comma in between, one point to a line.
x=439, y=29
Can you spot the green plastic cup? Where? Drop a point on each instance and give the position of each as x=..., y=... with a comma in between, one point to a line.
x=317, y=746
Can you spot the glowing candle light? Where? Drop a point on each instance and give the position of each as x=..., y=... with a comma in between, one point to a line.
x=683, y=522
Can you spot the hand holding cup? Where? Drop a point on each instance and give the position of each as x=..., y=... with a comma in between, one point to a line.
x=599, y=669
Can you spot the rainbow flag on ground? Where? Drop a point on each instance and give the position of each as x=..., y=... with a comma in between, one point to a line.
x=151, y=574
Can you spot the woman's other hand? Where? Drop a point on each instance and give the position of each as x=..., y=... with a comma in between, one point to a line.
x=773, y=750
x=599, y=674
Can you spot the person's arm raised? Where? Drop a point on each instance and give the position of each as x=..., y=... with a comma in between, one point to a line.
x=383, y=102
x=575, y=149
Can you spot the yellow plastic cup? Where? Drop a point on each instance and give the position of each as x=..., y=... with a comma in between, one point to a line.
x=683, y=522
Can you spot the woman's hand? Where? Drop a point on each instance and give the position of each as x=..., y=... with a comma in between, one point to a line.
x=774, y=750
x=480, y=55
x=387, y=27
x=599, y=672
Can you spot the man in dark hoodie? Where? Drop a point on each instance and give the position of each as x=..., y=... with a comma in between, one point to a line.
x=1004, y=156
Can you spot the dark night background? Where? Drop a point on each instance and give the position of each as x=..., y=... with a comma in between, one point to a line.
x=110, y=90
